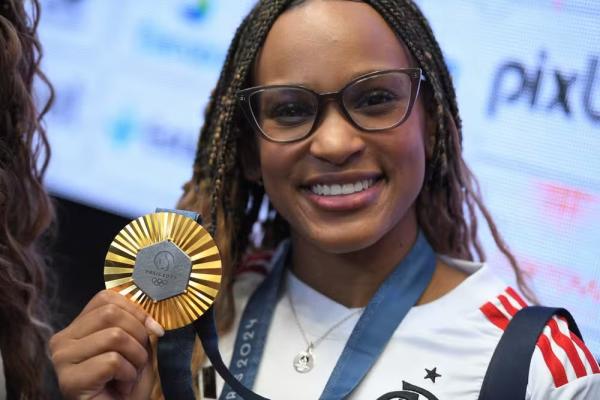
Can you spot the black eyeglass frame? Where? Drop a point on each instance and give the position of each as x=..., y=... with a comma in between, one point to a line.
x=243, y=97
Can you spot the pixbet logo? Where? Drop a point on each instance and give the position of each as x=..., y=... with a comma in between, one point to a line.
x=546, y=88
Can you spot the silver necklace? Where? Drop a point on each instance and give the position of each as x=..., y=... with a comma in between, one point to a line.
x=305, y=360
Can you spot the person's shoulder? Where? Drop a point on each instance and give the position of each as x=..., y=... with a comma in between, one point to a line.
x=482, y=295
x=500, y=308
x=496, y=302
x=251, y=271
x=254, y=267
x=562, y=367
x=255, y=262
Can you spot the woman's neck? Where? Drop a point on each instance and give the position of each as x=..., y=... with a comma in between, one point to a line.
x=352, y=278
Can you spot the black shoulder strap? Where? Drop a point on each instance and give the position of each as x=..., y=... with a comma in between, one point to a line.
x=508, y=371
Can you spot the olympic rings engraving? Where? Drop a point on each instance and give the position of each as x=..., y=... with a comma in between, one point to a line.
x=159, y=282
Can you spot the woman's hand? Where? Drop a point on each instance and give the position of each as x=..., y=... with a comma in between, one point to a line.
x=105, y=352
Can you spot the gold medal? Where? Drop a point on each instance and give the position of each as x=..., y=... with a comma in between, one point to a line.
x=168, y=264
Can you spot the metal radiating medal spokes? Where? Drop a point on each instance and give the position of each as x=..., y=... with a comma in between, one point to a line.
x=168, y=264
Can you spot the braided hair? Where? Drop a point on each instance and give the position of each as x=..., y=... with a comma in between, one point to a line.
x=446, y=206
x=25, y=208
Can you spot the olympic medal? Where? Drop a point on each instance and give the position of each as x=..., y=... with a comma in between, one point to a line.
x=168, y=264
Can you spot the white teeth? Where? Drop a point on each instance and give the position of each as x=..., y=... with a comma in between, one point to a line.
x=339, y=189
x=348, y=188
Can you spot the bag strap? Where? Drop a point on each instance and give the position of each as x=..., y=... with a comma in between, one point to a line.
x=508, y=372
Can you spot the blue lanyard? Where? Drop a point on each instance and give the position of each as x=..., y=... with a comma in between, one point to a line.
x=254, y=326
x=386, y=310
x=174, y=352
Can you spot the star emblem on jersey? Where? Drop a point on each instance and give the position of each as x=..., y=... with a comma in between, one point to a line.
x=432, y=374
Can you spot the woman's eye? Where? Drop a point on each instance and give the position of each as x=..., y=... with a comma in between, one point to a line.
x=291, y=113
x=374, y=99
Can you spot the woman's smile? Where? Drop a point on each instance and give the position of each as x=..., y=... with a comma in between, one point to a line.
x=344, y=192
x=343, y=189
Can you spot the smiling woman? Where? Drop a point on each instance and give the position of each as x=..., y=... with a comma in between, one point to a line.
x=339, y=153
x=342, y=118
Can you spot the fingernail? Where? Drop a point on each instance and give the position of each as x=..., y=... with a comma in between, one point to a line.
x=154, y=326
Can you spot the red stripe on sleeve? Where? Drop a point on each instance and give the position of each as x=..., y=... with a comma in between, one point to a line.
x=588, y=355
x=494, y=315
x=507, y=305
x=513, y=293
x=567, y=345
x=554, y=365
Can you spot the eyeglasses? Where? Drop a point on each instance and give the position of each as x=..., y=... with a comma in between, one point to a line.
x=374, y=102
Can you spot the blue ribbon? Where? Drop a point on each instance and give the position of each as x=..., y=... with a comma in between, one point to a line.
x=254, y=326
x=174, y=352
x=386, y=310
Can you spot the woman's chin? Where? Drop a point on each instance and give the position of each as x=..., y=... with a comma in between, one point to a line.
x=343, y=242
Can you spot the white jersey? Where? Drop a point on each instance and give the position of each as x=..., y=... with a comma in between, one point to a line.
x=441, y=350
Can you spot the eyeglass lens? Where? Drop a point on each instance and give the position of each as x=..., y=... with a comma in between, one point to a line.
x=374, y=103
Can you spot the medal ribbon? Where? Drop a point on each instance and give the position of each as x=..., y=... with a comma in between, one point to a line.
x=254, y=327
x=174, y=353
x=384, y=313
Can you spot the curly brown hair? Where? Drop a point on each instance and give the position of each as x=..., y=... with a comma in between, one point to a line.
x=449, y=201
x=25, y=208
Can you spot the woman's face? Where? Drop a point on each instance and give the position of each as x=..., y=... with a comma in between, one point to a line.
x=323, y=45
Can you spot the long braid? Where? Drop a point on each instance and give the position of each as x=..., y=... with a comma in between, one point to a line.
x=217, y=189
x=448, y=203
x=444, y=212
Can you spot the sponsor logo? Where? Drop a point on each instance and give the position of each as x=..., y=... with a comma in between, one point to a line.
x=547, y=88
x=159, y=41
x=564, y=204
x=64, y=14
x=196, y=11
x=127, y=129
x=183, y=36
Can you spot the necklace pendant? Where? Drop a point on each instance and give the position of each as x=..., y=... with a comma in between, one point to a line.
x=304, y=361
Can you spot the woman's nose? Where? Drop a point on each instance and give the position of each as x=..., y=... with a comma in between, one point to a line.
x=335, y=139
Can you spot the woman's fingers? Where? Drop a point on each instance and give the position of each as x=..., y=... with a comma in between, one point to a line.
x=108, y=315
x=89, y=378
x=116, y=302
x=109, y=297
x=105, y=348
x=113, y=339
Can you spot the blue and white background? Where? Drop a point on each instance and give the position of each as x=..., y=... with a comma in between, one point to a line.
x=133, y=78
